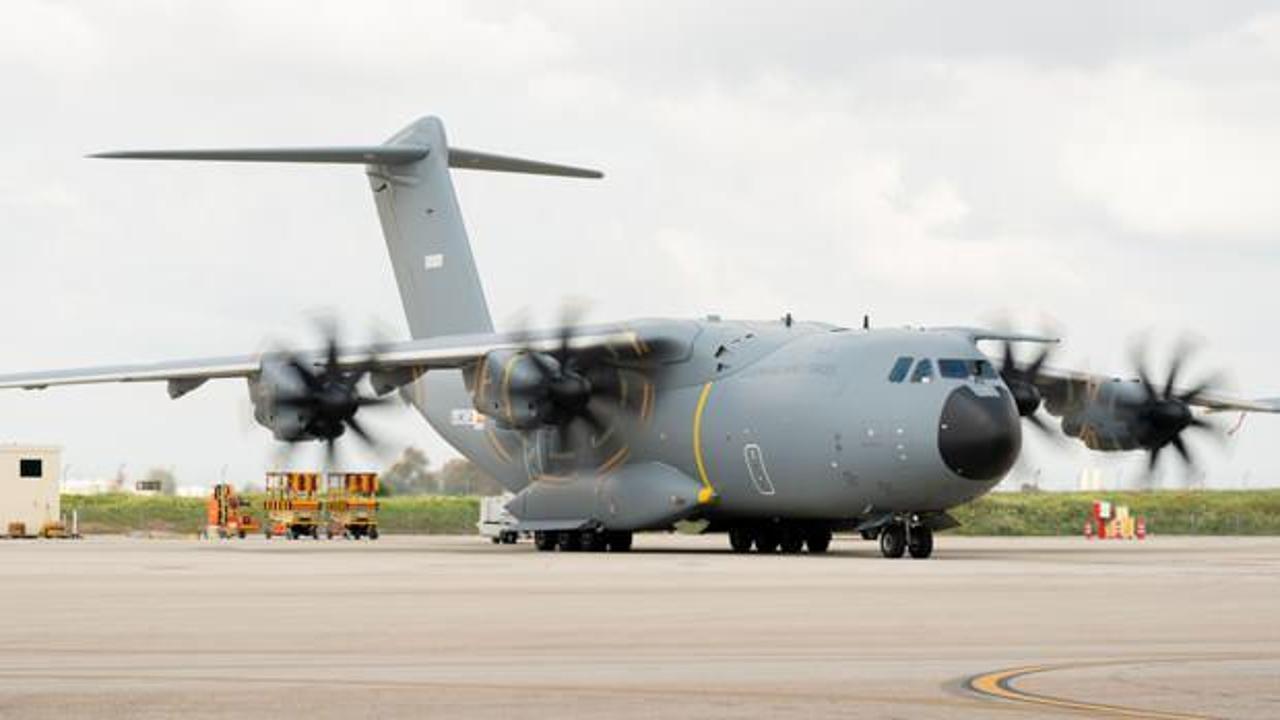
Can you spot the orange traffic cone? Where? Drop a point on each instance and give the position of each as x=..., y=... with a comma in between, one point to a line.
x=1141, y=531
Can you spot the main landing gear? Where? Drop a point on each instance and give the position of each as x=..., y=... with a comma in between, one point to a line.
x=582, y=540
x=898, y=539
x=771, y=537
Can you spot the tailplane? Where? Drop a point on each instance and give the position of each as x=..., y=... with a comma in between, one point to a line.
x=421, y=221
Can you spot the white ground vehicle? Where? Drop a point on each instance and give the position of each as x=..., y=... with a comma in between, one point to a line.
x=496, y=523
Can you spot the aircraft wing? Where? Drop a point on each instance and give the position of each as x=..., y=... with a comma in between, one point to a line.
x=1068, y=386
x=422, y=355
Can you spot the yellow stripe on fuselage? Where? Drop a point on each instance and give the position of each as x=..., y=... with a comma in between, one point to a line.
x=708, y=493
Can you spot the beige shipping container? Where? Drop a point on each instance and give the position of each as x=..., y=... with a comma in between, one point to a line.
x=29, y=486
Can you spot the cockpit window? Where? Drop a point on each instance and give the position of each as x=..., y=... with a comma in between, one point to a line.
x=965, y=369
x=924, y=371
x=900, y=369
x=958, y=369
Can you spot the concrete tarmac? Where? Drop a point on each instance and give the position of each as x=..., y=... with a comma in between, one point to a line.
x=457, y=627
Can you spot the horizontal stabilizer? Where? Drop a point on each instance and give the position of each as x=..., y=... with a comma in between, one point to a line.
x=361, y=155
x=472, y=160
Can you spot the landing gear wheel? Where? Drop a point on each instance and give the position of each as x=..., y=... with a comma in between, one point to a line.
x=818, y=540
x=619, y=541
x=921, y=543
x=893, y=541
x=767, y=540
x=594, y=541
x=740, y=539
x=568, y=541
x=544, y=541
x=792, y=541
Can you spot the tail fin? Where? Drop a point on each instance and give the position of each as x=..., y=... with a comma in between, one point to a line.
x=421, y=221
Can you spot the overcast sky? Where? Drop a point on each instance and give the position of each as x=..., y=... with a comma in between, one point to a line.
x=1107, y=168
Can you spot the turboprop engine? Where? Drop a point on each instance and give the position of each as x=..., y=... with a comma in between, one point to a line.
x=278, y=380
x=578, y=405
x=299, y=398
x=526, y=389
x=1136, y=414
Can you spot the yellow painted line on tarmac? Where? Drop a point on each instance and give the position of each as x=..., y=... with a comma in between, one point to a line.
x=999, y=684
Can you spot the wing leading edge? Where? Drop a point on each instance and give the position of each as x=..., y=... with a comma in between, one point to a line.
x=436, y=353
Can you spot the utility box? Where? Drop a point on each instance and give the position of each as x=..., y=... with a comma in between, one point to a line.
x=29, y=488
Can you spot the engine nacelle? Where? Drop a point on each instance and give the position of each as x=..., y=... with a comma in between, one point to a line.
x=1119, y=415
x=511, y=386
x=277, y=380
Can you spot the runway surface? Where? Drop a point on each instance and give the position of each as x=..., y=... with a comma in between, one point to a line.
x=456, y=627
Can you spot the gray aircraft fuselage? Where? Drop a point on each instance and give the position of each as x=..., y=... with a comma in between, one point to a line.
x=798, y=421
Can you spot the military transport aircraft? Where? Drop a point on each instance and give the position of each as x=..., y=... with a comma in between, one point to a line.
x=776, y=432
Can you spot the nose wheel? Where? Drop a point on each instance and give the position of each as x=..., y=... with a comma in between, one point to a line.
x=893, y=540
x=920, y=542
x=897, y=539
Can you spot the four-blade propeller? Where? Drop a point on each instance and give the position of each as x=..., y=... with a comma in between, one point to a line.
x=328, y=394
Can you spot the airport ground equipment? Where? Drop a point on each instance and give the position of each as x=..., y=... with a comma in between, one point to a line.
x=1108, y=521
x=292, y=505
x=228, y=514
x=775, y=432
x=351, y=505
x=496, y=521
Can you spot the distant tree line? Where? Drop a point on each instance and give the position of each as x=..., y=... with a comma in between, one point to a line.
x=410, y=474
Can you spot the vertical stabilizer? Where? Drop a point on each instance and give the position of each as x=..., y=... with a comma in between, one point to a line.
x=426, y=239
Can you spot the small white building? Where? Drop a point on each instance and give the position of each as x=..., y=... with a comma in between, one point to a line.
x=29, y=486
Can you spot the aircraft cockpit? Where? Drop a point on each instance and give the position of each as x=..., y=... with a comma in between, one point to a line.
x=922, y=370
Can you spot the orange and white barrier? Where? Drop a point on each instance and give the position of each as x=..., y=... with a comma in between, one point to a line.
x=1114, y=522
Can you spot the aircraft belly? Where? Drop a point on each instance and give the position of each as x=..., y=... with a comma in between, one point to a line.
x=638, y=496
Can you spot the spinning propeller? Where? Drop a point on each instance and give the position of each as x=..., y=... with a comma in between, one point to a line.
x=1021, y=380
x=1165, y=412
x=585, y=396
x=328, y=395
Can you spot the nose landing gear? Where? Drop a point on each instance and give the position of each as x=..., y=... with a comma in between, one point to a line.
x=893, y=540
x=899, y=538
x=920, y=541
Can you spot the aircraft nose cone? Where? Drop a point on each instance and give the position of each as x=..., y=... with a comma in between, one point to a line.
x=979, y=437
